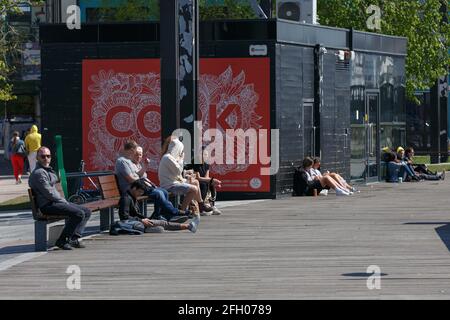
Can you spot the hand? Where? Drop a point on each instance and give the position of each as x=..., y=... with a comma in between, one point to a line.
x=147, y=222
x=216, y=183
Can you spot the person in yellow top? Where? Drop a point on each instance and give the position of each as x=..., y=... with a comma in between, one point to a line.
x=32, y=145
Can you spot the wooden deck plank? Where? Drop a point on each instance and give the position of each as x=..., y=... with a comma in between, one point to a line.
x=292, y=248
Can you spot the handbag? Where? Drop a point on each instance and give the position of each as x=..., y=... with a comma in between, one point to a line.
x=20, y=150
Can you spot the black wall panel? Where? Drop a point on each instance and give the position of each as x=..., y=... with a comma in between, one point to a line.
x=289, y=93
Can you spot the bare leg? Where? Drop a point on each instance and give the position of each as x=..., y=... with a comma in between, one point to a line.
x=340, y=181
x=327, y=181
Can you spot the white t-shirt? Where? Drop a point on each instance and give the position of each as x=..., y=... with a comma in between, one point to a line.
x=315, y=173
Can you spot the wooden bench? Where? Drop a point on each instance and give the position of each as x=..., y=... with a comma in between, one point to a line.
x=110, y=190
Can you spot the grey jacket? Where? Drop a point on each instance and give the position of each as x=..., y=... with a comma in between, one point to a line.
x=42, y=181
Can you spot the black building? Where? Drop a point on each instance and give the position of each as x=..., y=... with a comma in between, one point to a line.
x=334, y=93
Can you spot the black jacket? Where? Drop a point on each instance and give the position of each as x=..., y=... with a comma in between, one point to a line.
x=129, y=207
x=301, y=182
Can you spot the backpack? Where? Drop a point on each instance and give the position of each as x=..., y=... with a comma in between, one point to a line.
x=297, y=183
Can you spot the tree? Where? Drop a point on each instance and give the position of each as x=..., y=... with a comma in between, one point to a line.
x=129, y=10
x=419, y=21
x=10, y=45
x=231, y=9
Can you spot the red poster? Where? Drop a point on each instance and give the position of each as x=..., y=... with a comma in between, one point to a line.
x=234, y=93
x=121, y=101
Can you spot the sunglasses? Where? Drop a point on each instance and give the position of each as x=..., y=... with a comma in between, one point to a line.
x=43, y=156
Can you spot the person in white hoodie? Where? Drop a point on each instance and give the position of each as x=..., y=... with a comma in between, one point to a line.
x=170, y=174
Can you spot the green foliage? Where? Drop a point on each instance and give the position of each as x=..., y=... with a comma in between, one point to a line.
x=231, y=9
x=144, y=10
x=129, y=10
x=419, y=21
x=10, y=44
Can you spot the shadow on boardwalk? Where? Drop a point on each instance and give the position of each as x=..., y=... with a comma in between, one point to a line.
x=443, y=230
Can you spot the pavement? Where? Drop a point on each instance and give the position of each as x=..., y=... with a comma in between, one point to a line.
x=8, y=188
x=390, y=241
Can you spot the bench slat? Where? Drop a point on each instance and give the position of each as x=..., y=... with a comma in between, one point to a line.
x=108, y=194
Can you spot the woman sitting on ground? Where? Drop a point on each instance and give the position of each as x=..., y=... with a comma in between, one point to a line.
x=308, y=183
x=315, y=171
x=170, y=173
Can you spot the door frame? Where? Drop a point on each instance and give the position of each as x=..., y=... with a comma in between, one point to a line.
x=367, y=93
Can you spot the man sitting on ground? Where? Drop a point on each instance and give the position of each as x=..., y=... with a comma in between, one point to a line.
x=50, y=202
x=420, y=171
x=129, y=211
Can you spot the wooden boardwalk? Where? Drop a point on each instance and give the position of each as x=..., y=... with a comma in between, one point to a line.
x=294, y=248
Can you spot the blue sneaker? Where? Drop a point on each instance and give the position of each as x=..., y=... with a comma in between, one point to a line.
x=193, y=225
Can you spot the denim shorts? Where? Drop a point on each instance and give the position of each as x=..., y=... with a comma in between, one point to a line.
x=179, y=188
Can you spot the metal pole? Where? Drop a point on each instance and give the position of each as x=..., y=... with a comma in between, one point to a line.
x=179, y=65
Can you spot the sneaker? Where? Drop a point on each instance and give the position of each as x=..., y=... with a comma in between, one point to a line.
x=204, y=208
x=76, y=243
x=206, y=213
x=193, y=225
x=179, y=219
x=63, y=244
x=216, y=211
x=340, y=192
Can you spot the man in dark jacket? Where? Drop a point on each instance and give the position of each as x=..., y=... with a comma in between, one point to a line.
x=42, y=181
x=129, y=211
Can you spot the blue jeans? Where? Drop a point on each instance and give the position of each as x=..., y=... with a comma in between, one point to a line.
x=162, y=204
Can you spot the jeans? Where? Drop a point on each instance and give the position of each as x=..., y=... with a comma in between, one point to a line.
x=204, y=188
x=76, y=217
x=162, y=205
x=407, y=170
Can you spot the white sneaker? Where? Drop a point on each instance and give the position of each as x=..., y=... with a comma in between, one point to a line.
x=216, y=211
x=324, y=192
x=340, y=192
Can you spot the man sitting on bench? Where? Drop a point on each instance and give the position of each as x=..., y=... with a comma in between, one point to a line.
x=127, y=172
x=129, y=212
x=50, y=202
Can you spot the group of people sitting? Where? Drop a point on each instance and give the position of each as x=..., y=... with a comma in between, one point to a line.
x=194, y=184
x=400, y=167
x=308, y=180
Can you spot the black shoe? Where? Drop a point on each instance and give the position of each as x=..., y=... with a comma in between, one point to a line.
x=204, y=207
x=63, y=244
x=76, y=243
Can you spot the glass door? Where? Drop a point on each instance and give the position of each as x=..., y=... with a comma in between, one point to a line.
x=365, y=143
